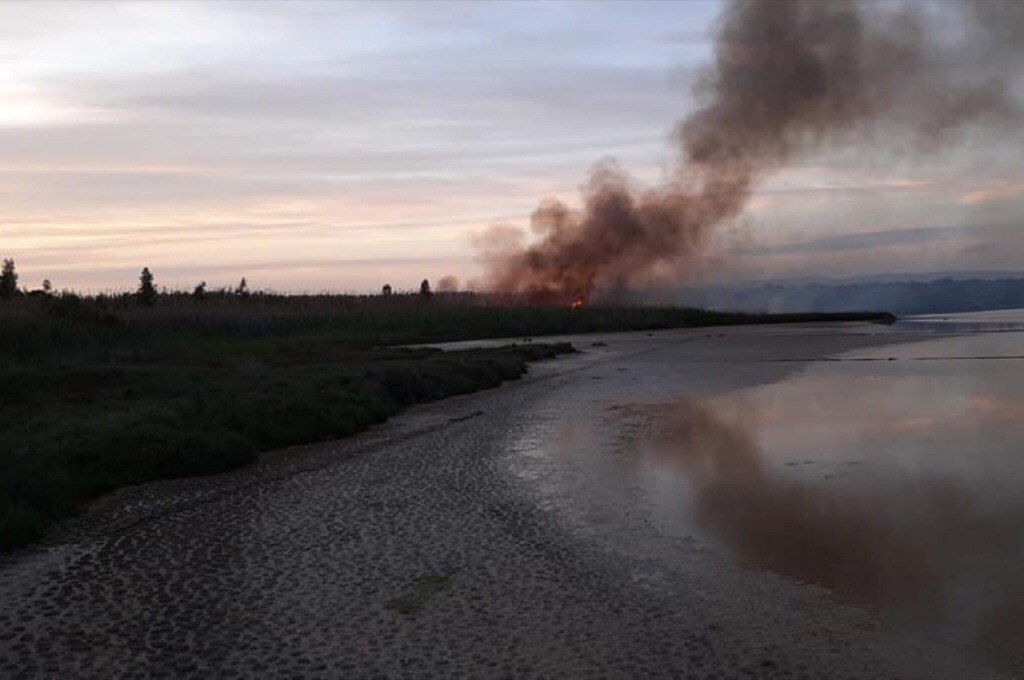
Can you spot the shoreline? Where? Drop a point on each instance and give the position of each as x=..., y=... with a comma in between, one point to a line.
x=458, y=512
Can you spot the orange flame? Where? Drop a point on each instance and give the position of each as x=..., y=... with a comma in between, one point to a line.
x=576, y=304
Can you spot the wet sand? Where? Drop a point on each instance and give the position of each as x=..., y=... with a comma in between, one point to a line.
x=778, y=502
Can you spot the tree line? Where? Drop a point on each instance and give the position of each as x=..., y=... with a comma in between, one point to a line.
x=146, y=293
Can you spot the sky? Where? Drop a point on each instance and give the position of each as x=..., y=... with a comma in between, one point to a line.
x=337, y=146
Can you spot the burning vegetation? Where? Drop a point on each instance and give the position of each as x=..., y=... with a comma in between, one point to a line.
x=788, y=76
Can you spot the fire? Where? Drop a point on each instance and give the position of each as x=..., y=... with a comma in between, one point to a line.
x=576, y=304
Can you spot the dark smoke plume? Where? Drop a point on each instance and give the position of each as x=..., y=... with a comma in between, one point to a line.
x=788, y=76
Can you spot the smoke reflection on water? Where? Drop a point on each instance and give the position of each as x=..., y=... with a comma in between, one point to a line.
x=899, y=491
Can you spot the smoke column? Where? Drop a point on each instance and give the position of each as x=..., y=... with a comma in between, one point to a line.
x=788, y=76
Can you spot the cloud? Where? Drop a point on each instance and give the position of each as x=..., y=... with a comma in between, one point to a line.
x=999, y=192
x=872, y=239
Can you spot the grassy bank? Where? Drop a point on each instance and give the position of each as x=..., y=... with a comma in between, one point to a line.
x=70, y=433
x=99, y=393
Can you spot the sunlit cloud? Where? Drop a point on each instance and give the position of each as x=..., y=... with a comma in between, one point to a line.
x=21, y=106
x=999, y=192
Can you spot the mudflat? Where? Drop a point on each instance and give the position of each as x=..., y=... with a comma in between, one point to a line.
x=821, y=500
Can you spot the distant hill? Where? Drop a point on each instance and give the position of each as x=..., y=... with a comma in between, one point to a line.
x=941, y=295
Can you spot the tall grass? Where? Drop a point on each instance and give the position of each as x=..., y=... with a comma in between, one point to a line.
x=71, y=330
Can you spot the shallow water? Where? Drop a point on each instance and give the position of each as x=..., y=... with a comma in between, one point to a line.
x=892, y=476
x=996, y=320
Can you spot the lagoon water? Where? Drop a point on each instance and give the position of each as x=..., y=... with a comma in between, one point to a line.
x=890, y=475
